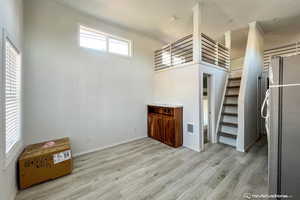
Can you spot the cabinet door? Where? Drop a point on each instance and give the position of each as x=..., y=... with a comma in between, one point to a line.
x=155, y=127
x=169, y=130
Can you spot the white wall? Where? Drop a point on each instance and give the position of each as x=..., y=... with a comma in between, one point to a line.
x=253, y=65
x=218, y=78
x=237, y=63
x=183, y=85
x=96, y=99
x=280, y=39
x=11, y=19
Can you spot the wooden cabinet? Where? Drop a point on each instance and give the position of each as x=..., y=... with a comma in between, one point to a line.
x=165, y=124
x=155, y=127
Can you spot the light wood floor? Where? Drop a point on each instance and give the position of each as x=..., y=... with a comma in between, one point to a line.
x=146, y=169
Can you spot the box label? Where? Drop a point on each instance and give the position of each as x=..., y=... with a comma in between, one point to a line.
x=62, y=156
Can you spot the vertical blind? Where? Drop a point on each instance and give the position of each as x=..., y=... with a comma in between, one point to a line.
x=12, y=95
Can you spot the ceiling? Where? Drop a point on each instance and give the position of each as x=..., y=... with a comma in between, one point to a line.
x=167, y=20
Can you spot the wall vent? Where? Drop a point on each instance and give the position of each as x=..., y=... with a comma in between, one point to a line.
x=190, y=128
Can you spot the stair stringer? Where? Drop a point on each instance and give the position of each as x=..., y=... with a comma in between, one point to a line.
x=221, y=107
x=227, y=127
x=241, y=111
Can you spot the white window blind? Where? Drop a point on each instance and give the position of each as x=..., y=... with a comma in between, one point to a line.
x=12, y=95
x=119, y=46
x=94, y=39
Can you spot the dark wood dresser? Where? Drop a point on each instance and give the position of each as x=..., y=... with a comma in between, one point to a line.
x=165, y=124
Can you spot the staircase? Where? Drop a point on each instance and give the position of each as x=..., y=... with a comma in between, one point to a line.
x=228, y=127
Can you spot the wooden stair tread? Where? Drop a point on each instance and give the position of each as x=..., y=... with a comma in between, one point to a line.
x=224, y=134
x=229, y=124
x=231, y=95
x=233, y=87
x=230, y=114
x=235, y=79
x=228, y=141
x=228, y=133
x=230, y=104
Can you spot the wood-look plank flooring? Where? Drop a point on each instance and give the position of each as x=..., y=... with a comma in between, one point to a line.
x=146, y=169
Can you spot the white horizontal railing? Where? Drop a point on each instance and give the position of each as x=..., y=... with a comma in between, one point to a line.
x=181, y=52
x=176, y=53
x=286, y=50
x=214, y=53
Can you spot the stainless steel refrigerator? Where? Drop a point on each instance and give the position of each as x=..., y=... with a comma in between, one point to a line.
x=283, y=124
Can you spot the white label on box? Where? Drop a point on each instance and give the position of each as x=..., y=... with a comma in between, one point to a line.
x=62, y=156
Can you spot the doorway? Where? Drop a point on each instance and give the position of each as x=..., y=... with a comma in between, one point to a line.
x=207, y=128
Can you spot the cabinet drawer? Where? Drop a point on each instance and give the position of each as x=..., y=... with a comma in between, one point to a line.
x=167, y=111
x=154, y=110
x=160, y=110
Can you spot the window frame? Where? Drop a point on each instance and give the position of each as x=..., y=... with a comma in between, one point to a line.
x=107, y=37
x=12, y=154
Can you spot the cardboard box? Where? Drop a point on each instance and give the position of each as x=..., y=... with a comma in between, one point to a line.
x=45, y=161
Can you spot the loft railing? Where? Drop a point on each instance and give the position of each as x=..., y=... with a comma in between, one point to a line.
x=177, y=53
x=181, y=52
x=214, y=52
x=286, y=50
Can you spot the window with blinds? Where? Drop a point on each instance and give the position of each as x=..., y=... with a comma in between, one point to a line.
x=11, y=95
x=118, y=46
x=93, y=39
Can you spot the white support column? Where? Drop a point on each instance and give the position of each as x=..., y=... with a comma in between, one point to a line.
x=228, y=39
x=197, y=21
x=217, y=53
x=228, y=45
x=247, y=101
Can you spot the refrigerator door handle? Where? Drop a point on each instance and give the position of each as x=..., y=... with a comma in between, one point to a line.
x=265, y=103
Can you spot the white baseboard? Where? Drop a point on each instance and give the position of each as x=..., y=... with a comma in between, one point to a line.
x=240, y=150
x=252, y=144
x=192, y=148
x=107, y=146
